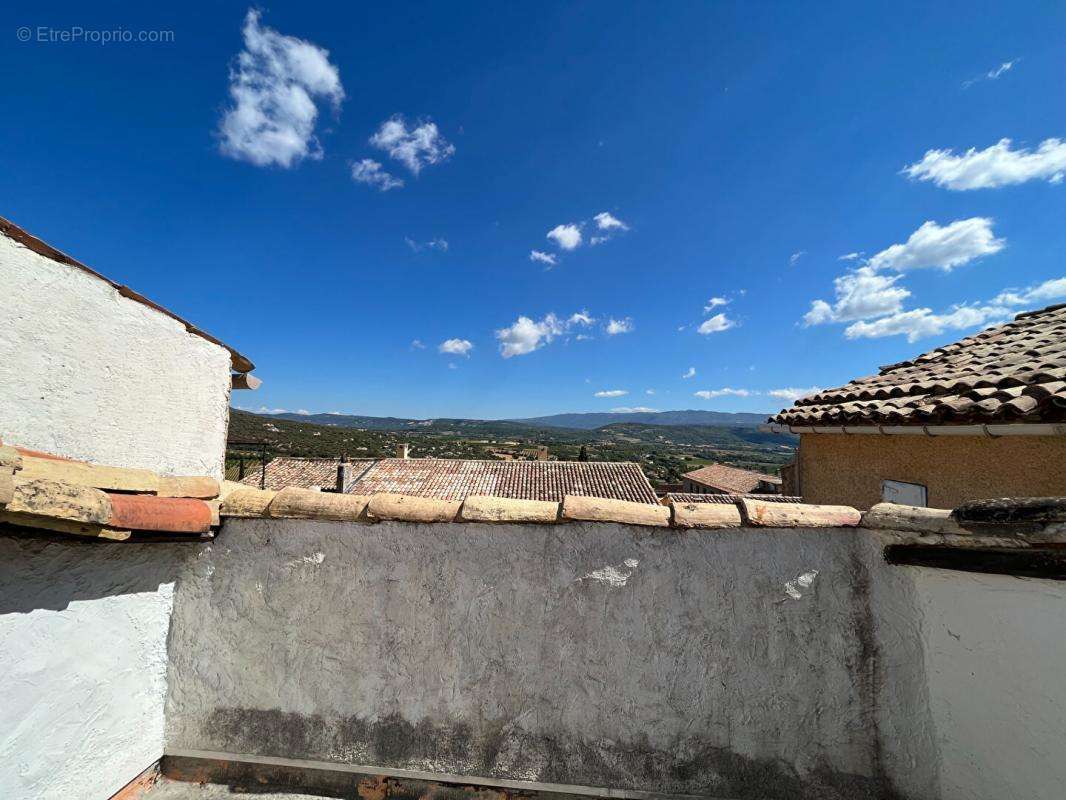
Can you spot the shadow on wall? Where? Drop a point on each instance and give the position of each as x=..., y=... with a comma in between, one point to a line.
x=51, y=573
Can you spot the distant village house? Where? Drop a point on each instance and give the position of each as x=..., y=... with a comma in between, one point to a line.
x=723, y=479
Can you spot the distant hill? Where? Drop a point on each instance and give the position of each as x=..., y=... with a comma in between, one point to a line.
x=349, y=421
x=597, y=419
x=579, y=421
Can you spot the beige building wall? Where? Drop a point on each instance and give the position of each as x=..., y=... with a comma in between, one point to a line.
x=838, y=468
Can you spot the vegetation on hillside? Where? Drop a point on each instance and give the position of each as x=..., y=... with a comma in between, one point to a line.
x=664, y=451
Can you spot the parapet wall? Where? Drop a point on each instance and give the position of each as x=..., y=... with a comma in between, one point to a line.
x=768, y=663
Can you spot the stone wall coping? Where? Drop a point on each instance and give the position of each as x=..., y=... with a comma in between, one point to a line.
x=42, y=492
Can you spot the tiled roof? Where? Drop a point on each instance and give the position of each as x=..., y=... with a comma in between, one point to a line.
x=1014, y=372
x=730, y=479
x=727, y=499
x=306, y=473
x=452, y=479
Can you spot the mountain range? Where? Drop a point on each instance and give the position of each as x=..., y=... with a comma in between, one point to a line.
x=574, y=421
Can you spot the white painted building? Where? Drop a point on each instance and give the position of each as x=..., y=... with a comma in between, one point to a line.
x=92, y=370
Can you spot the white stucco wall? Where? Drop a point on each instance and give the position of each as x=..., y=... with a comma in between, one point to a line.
x=771, y=664
x=90, y=374
x=83, y=630
x=995, y=647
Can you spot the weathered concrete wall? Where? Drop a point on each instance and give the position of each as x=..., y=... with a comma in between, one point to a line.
x=83, y=630
x=598, y=655
x=848, y=470
x=995, y=647
x=90, y=374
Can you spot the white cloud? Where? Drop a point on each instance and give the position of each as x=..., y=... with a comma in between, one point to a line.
x=1053, y=289
x=710, y=394
x=859, y=295
x=543, y=258
x=612, y=393
x=273, y=86
x=417, y=345
x=943, y=247
x=919, y=323
x=606, y=222
x=992, y=74
x=689, y=373
x=432, y=244
x=792, y=259
x=992, y=167
x=716, y=324
x=416, y=147
x=527, y=335
x=792, y=393
x=458, y=347
x=609, y=225
x=649, y=391
x=714, y=302
x=568, y=237
x=867, y=293
x=617, y=326
x=849, y=257
x=634, y=410
x=370, y=172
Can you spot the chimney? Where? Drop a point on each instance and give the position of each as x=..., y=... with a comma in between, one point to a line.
x=542, y=452
x=403, y=450
x=344, y=475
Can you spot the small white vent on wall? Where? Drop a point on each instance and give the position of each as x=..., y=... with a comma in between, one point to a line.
x=907, y=494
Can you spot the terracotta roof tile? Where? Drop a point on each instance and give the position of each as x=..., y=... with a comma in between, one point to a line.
x=453, y=479
x=727, y=499
x=306, y=473
x=1014, y=372
x=730, y=479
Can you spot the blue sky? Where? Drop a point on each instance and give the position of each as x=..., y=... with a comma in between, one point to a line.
x=737, y=151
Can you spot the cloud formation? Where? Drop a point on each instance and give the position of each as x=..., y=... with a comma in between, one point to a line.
x=606, y=222
x=567, y=237
x=992, y=74
x=457, y=347
x=792, y=393
x=617, y=326
x=542, y=257
x=715, y=324
x=612, y=393
x=993, y=167
x=944, y=247
x=633, y=410
x=415, y=147
x=370, y=172
x=689, y=373
x=526, y=335
x=920, y=323
x=710, y=394
x=274, y=85
x=867, y=293
x=432, y=244
x=859, y=295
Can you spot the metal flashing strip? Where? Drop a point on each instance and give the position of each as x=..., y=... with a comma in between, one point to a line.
x=434, y=777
